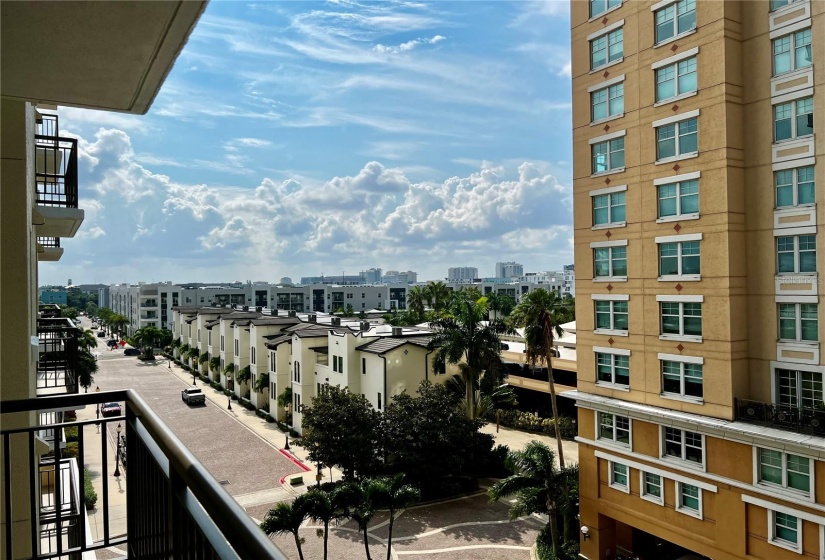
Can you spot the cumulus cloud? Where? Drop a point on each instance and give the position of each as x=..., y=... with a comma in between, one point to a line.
x=373, y=217
x=408, y=46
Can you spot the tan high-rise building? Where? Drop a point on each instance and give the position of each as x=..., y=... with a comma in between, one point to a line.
x=699, y=186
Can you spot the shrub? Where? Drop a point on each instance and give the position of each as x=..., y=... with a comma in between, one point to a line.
x=544, y=547
x=447, y=486
x=71, y=433
x=530, y=421
x=69, y=416
x=70, y=451
x=89, y=494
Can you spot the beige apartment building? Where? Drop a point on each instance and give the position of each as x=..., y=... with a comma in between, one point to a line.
x=698, y=144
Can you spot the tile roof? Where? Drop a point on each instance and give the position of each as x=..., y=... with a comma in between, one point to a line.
x=278, y=340
x=384, y=344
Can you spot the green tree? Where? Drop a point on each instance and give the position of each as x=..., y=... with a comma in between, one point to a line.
x=416, y=298
x=118, y=323
x=361, y=498
x=243, y=374
x=147, y=338
x=394, y=494
x=464, y=337
x=91, y=309
x=262, y=382
x=287, y=518
x=85, y=369
x=69, y=312
x=215, y=364
x=327, y=507
x=87, y=340
x=285, y=399
x=341, y=428
x=538, y=486
x=541, y=313
x=500, y=305
x=488, y=398
x=438, y=295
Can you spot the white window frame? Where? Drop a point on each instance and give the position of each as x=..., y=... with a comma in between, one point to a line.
x=783, y=488
x=798, y=321
x=792, y=53
x=785, y=3
x=605, y=33
x=660, y=499
x=678, y=240
x=677, y=181
x=682, y=460
x=681, y=300
x=797, y=253
x=684, y=509
x=608, y=192
x=677, y=121
x=681, y=360
x=613, y=425
x=794, y=171
x=608, y=139
x=659, y=6
x=607, y=7
x=674, y=66
x=611, y=466
x=613, y=352
x=607, y=90
x=794, y=132
x=781, y=543
x=610, y=246
x=612, y=299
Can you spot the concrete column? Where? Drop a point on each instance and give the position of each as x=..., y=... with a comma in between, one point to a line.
x=18, y=299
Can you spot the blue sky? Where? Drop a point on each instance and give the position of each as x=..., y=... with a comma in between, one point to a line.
x=300, y=138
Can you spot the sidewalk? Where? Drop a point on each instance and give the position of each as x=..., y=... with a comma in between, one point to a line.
x=267, y=431
x=516, y=440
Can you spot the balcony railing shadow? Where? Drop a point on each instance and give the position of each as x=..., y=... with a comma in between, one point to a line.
x=784, y=417
x=174, y=507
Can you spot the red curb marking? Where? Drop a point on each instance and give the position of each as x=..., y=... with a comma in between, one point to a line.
x=295, y=461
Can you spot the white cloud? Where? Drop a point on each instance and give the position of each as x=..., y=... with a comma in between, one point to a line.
x=409, y=45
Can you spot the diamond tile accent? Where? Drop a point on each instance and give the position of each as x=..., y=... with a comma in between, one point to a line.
x=679, y=287
x=674, y=47
x=606, y=74
x=680, y=348
x=610, y=287
x=675, y=107
x=608, y=234
x=610, y=341
x=676, y=167
x=604, y=21
x=677, y=227
x=607, y=180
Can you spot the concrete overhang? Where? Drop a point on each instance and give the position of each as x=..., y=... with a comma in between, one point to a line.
x=51, y=254
x=58, y=221
x=100, y=55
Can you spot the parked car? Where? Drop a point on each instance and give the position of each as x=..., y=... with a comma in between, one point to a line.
x=101, y=334
x=193, y=395
x=131, y=352
x=110, y=409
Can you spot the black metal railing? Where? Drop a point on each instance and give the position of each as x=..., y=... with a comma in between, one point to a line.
x=47, y=125
x=174, y=507
x=793, y=418
x=56, y=171
x=48, y=310
x=57, y=361
x=49, y=241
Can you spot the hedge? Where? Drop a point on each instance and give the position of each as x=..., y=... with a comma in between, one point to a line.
x=544, y=547
x=89, y=494
x=531, y=421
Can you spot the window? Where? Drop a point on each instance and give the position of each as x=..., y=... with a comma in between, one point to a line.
x=681, y=318
x=776, y=4
x=690, y=499
x=799, y=389
x=792, y=52
x=610, y=262
x=614, y=428
x=793, y=119
x=608, y=155
x=652, y=487
x=600, y=6
x=784, y=470
x=786, y=530
x=796, y=253
x=677, y=139
x=252, y=355
x=609, y=209
x=379, y=401
x=297, y=372
x=675, y=19
x=209, y=338
x=794, y=187
x=364, y=366
x=237, y=348
x=611, y=315
x=606, y=49
x=684, y=445
x=678, y=199
x=679, y=259
x=618, y=476
x=221, y=343
x=273, y=361
x=272, y=392
x=613, y=368
x=607, y=102
x=798, y=322
x=682, y=379
x=676, y=79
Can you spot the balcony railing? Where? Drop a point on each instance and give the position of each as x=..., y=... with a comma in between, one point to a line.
x=57, y=362
x=785, y=417
x=56, y=171
x=174, y=507
x=49, y=241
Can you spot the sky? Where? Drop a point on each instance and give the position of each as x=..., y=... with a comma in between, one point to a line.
x=298, y=138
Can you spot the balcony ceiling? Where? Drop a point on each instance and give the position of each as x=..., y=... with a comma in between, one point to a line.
x=101, y=55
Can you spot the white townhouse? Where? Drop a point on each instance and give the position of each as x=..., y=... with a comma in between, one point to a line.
x=234, y=348
x=261, y=330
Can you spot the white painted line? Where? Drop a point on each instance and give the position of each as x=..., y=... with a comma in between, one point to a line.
x=470, y=547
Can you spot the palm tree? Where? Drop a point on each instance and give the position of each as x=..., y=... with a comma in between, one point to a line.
x=485, y=401
x=215, y=366
x=463, y=337
x=538, y=486
x=438, y=294
x=327, y=507
x=501, y=305
x=287, y=518
x=541, y=313
x=87, y=340
x=261, y=382
x=203, y=360
x=147, y=338
x=393, y=494
x=416, y=296
x=85, y=369
x=118, y=322
x=361, y=497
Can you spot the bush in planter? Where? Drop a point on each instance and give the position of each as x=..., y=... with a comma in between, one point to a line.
x=70, y=451
x=71, y=433
x=89, y=494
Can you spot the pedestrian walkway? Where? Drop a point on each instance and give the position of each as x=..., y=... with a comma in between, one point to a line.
x=516, y=440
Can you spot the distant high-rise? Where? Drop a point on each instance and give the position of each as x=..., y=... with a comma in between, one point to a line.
x=286, y=280
x=509, y=270
x=371, y=275
x=395, y=277
x=462, y=273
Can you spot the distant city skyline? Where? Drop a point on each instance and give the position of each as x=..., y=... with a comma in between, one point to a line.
x=418, y=135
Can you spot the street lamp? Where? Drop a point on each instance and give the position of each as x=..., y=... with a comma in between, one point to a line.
x=117, y=453
x=194, y=375
x=97, y=411
x=228, y=402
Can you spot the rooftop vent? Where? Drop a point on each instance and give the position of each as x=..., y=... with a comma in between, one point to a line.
x=292, y=313
x=336, y=321
x=365, y=326
x=312, y=318
x=259, y=309
x=246, y=308
x=397, y=331
x=273, y=312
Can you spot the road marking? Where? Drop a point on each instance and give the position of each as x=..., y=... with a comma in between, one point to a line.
x=468, y=547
